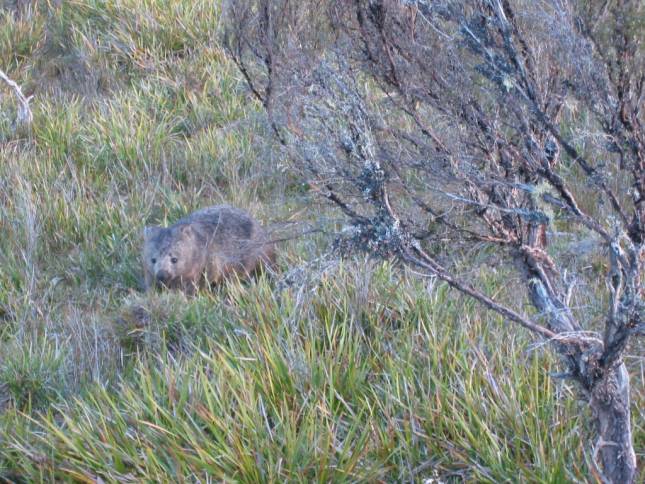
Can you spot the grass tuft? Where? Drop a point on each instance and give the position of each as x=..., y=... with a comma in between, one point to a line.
x=32, y=375
x=360, y=373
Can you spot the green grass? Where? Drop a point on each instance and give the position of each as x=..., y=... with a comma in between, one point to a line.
x=362, y=373
x=271, y=389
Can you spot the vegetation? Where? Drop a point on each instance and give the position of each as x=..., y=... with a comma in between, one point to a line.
x=349, y=371
x=426, y=121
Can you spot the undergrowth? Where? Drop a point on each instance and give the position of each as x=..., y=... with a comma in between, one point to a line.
x=364, y=373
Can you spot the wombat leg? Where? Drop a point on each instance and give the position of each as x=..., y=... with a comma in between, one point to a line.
x=190, y=287
x=213, y=277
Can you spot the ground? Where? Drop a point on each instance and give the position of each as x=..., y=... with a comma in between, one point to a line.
x=352, y=371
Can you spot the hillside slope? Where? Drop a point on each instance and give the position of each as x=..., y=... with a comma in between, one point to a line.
x=350, y=371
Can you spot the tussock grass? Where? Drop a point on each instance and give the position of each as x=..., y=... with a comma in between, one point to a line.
x=358, y=372
x=249, y=384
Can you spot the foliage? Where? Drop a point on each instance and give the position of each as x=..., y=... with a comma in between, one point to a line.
x=477, y=122
x=364, y=372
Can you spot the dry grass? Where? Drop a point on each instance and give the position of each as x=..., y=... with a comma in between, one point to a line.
x=364, y=374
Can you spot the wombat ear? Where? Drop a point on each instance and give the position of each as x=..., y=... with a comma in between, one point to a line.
x=186, y=230
x=150, y=232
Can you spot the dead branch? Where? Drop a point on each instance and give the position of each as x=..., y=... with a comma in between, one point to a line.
x=489, y=121
x=24, y=116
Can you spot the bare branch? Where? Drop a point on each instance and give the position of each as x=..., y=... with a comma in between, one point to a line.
x=418, y=118
x=24, y=116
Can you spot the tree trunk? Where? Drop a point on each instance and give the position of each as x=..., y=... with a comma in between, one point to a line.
x=610, y=405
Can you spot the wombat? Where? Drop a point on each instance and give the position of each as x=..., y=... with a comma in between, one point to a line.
x=203, y=248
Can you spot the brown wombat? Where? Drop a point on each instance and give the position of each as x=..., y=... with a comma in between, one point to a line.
x=204, y=247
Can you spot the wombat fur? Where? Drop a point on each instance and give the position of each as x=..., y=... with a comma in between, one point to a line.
x=203, y=248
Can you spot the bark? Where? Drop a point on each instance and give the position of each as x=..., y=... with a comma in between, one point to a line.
x=610, y=405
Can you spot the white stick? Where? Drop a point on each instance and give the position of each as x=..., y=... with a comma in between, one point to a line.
x=24, y=112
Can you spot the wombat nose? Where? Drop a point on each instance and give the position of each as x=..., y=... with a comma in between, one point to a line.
x=163, y=277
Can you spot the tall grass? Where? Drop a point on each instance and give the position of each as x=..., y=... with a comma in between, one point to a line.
x=248, y=384
x=365, y=374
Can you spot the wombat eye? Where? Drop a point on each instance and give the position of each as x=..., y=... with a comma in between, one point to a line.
x=154, y=261
x=173, y=260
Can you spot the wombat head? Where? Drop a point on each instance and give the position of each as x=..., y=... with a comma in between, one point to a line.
x=170, y=254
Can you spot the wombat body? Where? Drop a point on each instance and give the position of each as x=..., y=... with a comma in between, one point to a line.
x=205, y=247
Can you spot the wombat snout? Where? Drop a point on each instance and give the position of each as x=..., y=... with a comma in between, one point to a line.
x=162, y=277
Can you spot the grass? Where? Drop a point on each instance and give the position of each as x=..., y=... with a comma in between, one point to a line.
x=358, y=372
x=268, y=391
